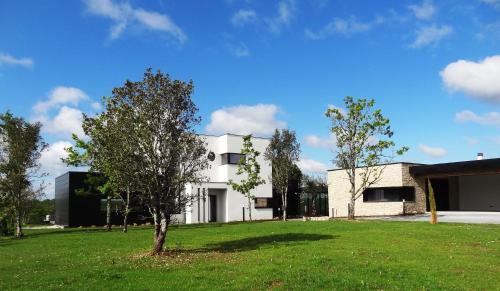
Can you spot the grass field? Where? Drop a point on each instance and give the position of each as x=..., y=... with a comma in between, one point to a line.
x=260, y=255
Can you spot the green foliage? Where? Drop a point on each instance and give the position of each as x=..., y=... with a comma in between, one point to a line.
x=145, y=142
x=283, y=153
x=363, y=141
x=249, y=168
x=314, y=184
x=323, y=255
x=39, y=209
x=20, y=149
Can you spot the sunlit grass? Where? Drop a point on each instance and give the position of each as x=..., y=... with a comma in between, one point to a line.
x=261, y=255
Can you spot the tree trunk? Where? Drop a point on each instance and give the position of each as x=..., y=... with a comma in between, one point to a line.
x=19, y=227
x=284, y=202
x=350, y=215
x=249, y=208
x=432, y=203
x=127, y=210
x=162, y=236
x=108, y=213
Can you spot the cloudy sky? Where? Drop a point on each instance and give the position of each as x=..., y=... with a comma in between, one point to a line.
x=433, y=67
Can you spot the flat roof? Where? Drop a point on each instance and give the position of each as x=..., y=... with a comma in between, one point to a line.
x=232, y=134
x=486, y=166
x=384, y=164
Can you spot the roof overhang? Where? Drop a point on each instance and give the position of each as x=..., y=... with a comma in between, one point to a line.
x=465, y=168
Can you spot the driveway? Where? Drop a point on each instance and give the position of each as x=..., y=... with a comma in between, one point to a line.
x=449, y=216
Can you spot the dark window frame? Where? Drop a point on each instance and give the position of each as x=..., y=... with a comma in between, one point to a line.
x=231, y=158
x=269, y=202
x=403, y=192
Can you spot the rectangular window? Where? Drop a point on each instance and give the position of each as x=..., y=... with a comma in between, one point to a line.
x=116, y=205
x=263, y=202
x=231, y=158
x=389, y=194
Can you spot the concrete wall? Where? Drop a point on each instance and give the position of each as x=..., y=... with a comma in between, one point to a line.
x=394, y=175
x=479, y=193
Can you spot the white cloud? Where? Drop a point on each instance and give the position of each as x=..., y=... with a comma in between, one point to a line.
x=477, y=79
x=96, y=106
x=123, y=15
x=342, y=110
x=424, y=11
x=490, y=118
x=285, y=14
x=431, y=35
x=471, y=140
x=245, y=119
x=311, y=166
x=340, y=26
x=321, y=142
x=59, y=96
x=50, y=159
x=243, y=16
x=67, y=121
x=62, y=101
x=433, y=152
x=494, y=3
x=10, y=60
x=240, y=50
x=51, y=164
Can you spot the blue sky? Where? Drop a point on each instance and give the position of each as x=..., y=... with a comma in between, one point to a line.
x=433, y=67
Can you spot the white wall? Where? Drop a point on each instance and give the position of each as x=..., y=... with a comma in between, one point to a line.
x=218, y=176
x=479, y=193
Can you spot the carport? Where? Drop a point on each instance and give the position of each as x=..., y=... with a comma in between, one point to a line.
x=463, y=186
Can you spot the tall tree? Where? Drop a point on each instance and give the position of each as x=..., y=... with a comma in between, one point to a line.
x=249, y=167
x=20, y=149
x=363, y=143
x=283, y=153
x=167, y=153
x=114, y=154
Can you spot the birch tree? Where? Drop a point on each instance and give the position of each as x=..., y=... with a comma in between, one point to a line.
x=363, y=143
x=21, y=147
x=249, y=168
x=283, y=153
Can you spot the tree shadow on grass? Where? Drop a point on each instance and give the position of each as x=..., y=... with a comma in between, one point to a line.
x=216, y=224
x=253, y=243
x=39, y=233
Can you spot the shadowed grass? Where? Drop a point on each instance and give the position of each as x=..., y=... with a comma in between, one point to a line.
x=266, y=255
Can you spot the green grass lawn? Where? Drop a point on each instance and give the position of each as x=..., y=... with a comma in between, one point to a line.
x=260, y=255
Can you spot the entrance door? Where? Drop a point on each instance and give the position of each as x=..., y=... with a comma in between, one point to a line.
x=441, y=194
x=212, y=215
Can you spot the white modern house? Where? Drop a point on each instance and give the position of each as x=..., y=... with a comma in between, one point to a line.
x=215, y=200
x=402, y=189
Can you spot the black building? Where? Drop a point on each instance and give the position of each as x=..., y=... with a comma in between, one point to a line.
x=78, y=205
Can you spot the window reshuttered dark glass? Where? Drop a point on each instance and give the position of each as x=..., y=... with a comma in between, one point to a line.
x=389, y=194
x=231, y=158
x=263, y=202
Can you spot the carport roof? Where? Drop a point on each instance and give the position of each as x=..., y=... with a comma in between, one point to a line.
x=488, y=166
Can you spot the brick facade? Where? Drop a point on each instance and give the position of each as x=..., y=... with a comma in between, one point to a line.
x=394, y=175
